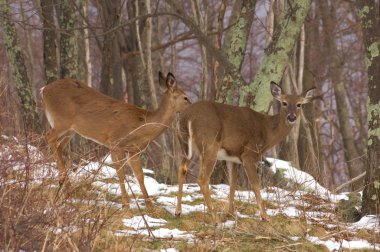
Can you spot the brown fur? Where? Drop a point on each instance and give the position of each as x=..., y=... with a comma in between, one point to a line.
x=242, y=133
x=72, y=107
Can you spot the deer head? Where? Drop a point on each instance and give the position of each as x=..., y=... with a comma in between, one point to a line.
x=291, y=105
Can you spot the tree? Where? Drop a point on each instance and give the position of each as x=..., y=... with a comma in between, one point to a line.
x=351, y=154
x=18, y=69
x=68, y=48
x=276, y=55
x=235, y=46
x=369, y=15
x=111, y=17
x=49, y=37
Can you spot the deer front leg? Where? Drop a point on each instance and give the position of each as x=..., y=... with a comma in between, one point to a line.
x=232, y=170
x=249, y=163
x=118, y=160
x=57, y=145
x=134, y=163
x=182, y=171
x=207, y=166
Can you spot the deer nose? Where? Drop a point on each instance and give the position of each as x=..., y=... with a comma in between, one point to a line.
x=292, y=118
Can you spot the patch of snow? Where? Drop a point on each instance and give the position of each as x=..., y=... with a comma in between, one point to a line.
x=137, y=222
x=168, y=250
x=371, y=222
x=228, y=224
x=159, y=233
x=295, y=238
x=290, y=211
x=337, y=245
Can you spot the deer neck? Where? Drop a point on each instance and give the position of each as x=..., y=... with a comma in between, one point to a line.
x=278, y=129
x=163, y=115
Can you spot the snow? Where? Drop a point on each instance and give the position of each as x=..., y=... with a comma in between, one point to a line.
x=371, y=222
x=138, y=222
x=337, y=245
x=283, y=202
x=159, y=233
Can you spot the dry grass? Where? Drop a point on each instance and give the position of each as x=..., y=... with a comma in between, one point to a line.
x=40, y=216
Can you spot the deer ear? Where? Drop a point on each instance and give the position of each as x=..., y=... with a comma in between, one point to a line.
x=162, y=81
x=309, y=95
x=275, y=90
x=171, y=83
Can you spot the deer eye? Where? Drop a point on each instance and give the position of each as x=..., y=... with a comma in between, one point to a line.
x=284, y=104
x=299, y=105
x=185, y=98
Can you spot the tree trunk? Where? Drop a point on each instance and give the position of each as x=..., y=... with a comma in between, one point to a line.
x=18, y=69
x=355, y=166
x=235, y=45
x=308, y=141
x=68, y=47
x=369, y=14
x=203, y=24
x=50, y=41
x=136, y=69
x=111, y=17
x=82, y=71
x=276, y=55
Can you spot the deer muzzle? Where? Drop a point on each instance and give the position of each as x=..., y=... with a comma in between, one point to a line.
x=292, y=118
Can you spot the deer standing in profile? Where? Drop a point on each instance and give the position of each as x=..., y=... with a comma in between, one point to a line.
x=238, y=135
x=72, y=107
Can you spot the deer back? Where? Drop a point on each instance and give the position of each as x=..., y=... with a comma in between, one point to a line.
x=71, y=105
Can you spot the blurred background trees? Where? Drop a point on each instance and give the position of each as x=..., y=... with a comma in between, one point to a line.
x=218, y=50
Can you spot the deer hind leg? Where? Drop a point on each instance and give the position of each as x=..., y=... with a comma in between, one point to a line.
x=182, y=171
x=207, y=166
x=57, y=141
x=250, y=167
x=232, y=170
x=135, y=164
x=118, y=160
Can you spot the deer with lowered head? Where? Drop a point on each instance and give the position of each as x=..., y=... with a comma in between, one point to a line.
x=238, y=135
x=72, y=107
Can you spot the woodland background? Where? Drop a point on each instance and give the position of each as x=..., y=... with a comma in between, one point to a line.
x=227, y=51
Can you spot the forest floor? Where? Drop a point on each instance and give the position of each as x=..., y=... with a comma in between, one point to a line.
x=36, y=214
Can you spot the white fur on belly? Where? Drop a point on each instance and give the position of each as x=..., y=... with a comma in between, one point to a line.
x=222, y=155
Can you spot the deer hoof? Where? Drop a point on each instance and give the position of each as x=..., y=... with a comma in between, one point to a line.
x=149, y=204
x=177, y=214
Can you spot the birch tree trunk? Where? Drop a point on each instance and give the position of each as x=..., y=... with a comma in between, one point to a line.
x=369, y=14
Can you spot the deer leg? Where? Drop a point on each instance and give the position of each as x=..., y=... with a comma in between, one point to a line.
x=134, y=163
x=250, y=168
x=182, y=171
x=118, y=160
x=57, y=144
x=232, y=170
x=207, y=166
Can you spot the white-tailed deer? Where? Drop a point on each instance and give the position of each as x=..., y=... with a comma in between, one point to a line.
x=72, y=107
x=238, y=135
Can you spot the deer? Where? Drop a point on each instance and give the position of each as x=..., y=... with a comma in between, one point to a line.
x=72, y=107
x=238, y=135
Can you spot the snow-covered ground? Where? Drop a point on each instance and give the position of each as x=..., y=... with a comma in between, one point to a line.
x=287, y=203
x=285, y=200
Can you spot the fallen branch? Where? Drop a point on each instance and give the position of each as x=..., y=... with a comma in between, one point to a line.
x=348, y=182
